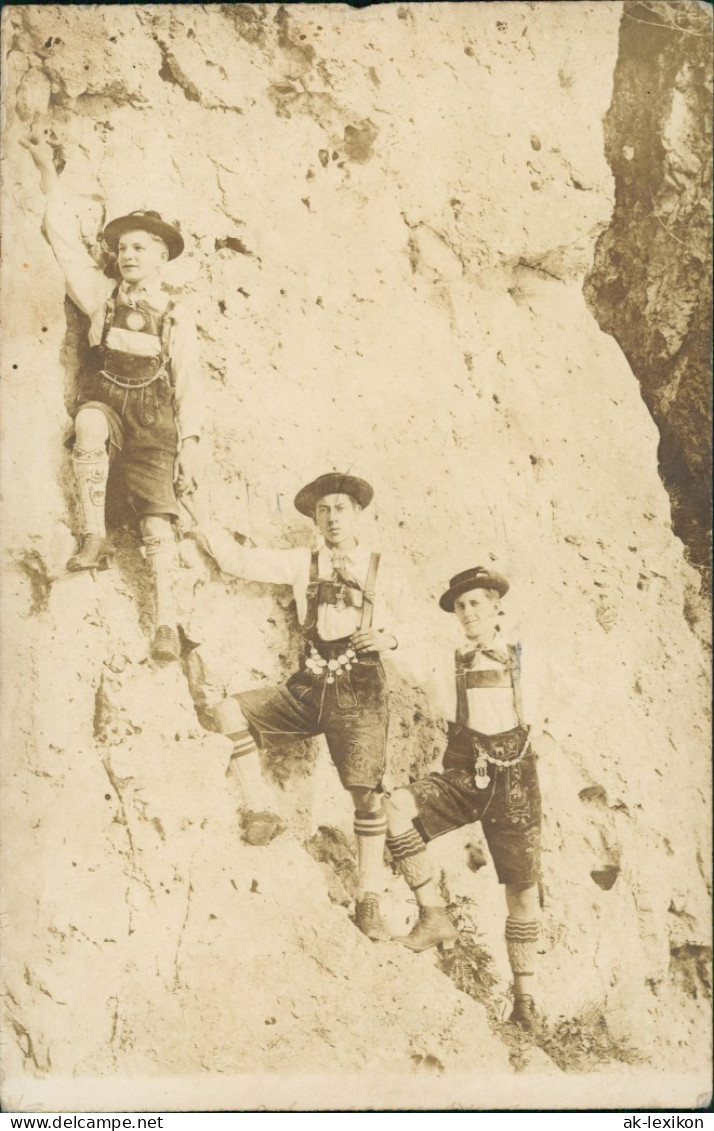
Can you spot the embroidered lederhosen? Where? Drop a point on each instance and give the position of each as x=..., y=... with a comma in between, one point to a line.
x=335, y=662
x=335, y=692
x=501, y=763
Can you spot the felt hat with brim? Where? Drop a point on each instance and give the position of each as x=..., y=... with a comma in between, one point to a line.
x=477, y=578
x=334, y=483
x=144, y=222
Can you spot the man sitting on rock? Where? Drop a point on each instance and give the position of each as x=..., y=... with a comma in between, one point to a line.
x=489, y=775
x=346, y=608
x=140, y=402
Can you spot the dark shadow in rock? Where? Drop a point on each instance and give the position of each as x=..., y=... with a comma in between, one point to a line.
x=605, y=877
x=475, y=856
x=31, y=563
x=690, y=969
x=593, y=795
x=331, y=847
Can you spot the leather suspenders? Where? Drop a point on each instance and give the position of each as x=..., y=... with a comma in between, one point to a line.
x=367, y=593
x=466, y=678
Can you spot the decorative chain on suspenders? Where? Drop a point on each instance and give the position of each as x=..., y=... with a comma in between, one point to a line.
x=345, y=661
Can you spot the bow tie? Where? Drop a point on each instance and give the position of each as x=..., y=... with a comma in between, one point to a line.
x=497, y=654
x=341, y=571
x=139, y=293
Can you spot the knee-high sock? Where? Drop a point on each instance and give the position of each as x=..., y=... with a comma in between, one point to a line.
x=522, y=946
x=160, y=556
x=408, y=852
x=91, y=469
x=244, y=767
x=370, y=830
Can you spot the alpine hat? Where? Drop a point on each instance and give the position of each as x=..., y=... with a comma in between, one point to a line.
x=144, y=222
x=476, y=578
x=333, y=483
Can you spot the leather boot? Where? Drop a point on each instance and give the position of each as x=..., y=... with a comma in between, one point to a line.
x=165, y=645
x=524, y=1013
x=433, y=928
x=368, y=918
x=94, y=553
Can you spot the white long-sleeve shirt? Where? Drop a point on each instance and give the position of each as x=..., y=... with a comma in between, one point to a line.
x=492, y=710
x=292, y=567
x=89, y=288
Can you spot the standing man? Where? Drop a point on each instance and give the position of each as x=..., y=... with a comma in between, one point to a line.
x=140, y=402
x=345, y=604
x=489, y=775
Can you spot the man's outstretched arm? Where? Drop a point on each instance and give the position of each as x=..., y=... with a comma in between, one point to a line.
x=87, y=285
x=276, y=567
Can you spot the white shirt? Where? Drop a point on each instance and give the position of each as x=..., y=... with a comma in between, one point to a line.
x=292, y=567
x=492, y=710
x=89, y=289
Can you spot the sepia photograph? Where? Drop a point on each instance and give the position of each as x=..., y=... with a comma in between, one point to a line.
x=355, y=524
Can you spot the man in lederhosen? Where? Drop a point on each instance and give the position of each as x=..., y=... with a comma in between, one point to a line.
x=345, y=602
x=140, y=401
x=489, y=775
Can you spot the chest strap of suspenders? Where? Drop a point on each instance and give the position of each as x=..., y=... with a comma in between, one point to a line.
x=168, y=319
x=312, y=592
x=514, y=664
x=367, y=594
x=462, y=701
x=109, y=310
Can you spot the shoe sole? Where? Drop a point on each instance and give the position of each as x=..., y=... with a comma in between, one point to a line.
x=102, y=563
x=444, y=944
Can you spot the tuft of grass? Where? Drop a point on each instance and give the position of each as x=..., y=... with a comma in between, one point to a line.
x=575, y=1044
x=469, y=964
x=580, y=1043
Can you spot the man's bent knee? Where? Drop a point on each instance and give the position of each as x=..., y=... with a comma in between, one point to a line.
x=228, y=717
x=522, y=899
x=156, y=526
x=366, y=800
x=400, y=808
x=91, y=428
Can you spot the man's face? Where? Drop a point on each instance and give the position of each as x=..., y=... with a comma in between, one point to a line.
x=477, y=612
x=337, y=518
x=140, y=256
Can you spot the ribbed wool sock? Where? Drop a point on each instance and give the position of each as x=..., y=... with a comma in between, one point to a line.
x=522, y=944
x=244, y=766
x=91, y=469
x=370, y=830
x=160, y=556
x=408, y=852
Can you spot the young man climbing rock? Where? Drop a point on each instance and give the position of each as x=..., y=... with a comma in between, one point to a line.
x=489, y=775
x=346, y=603
x=139, y=405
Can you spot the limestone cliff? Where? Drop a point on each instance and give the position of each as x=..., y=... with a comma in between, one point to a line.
x=389, y=215
x=651, y=283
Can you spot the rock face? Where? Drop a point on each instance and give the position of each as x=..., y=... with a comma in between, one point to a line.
x=651, y=283
x=389, y=215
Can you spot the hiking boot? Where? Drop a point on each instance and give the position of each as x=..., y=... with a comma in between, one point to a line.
x=94, y=553
x=259, y=828
x=433, y=928
x=524, y=1013
x=165, y=645
x=368, y=918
